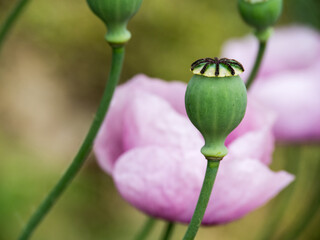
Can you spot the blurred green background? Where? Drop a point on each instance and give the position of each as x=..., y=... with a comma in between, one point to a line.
x=53, y=69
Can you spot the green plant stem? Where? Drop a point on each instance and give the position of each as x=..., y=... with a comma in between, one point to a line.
x=11, y=19
x=293, y=159
x=306, y=219
x=312, y=207
x=146, y=229
x=168, y=231
x=257, y=64
x=84, y=151
x=211, y=173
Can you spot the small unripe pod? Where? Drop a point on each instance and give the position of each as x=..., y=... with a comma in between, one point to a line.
x=216, y=100
x=115, y=14
x=260, y=14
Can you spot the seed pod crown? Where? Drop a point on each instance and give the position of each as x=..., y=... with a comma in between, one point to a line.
x=214, y=67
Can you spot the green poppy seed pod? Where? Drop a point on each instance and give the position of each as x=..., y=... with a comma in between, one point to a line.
x=260, y=14
x=115, y=14
x=216, y=100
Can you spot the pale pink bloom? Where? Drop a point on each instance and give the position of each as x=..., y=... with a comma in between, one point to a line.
x=289, y=80
x=152, y=151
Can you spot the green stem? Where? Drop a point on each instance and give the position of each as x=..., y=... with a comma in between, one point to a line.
x=168, y=231
x=306, y=219
x=211, y=173
x=11, y=19
x=311, y=208
x=84, y=151
x=281, y=207
x=257, y=64
x=146, y=229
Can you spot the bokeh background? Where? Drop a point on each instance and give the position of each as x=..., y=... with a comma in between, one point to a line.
x=53, y=68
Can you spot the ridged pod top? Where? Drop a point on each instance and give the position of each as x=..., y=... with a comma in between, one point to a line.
x=214, y=67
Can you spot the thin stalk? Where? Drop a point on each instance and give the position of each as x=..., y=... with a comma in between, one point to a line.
x=257, y=64
x=293, y=159
x=168, y=231
x=295, y=230
x=84, y=151
x=11, y=19
x=211, y=173
x=146, y=229
x=306, y=219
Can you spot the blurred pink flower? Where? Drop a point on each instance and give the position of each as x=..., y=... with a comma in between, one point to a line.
x=152, y=151
x=289, y=80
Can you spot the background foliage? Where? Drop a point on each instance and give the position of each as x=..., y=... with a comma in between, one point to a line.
x=52, y=73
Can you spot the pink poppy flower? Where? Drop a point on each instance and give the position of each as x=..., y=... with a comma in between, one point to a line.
x=152, y=151
x=289, y=80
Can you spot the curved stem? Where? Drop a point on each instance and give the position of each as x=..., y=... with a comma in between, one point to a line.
x=211, y=173
x=257, y=64
x=10, y=20
x=146, y=229
x=168, y=231
x=45, y=206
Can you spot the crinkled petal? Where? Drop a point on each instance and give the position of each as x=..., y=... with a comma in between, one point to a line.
x=163, y=182
x=150, y=120
x=173, y=91
x=166, y=182
x=109, y=142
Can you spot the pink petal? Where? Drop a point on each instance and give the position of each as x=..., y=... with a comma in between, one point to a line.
x=173, y=91
x=289, y=80
x=150, y=120
x=253, y=138
x=243, y=50
x=257, y=117
x=295, y=98
x=109, y=142
x=242, y=186
x=108, y=145
x=290, y=48
x=257, y=145
x=165, y=182
x=153, y=153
